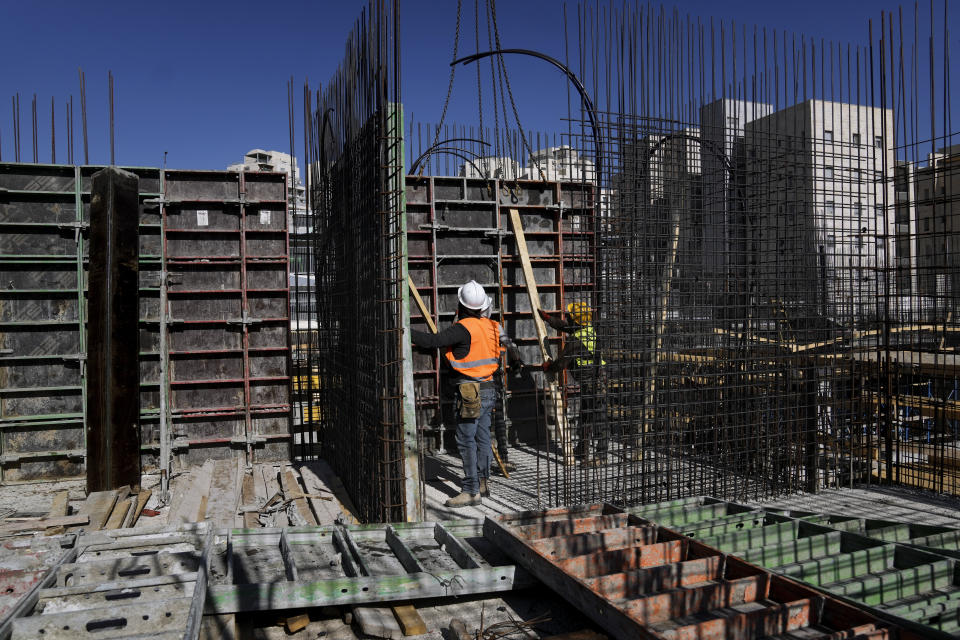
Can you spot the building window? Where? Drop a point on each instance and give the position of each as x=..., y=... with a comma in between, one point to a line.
x=926, y=224
x=878, y=142
x=828, y=172
x=828, y=136
x=859, y=209
x=829, y=209
x=926, y=193
x=855, y=138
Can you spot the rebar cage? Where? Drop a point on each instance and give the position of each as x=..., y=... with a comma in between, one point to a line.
x=761, y=224
x=768, y=260
x=356, y=373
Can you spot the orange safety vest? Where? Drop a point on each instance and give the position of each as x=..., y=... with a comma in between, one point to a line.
x=483, y=358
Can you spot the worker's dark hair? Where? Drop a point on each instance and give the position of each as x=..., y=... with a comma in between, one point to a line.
x=464, y=312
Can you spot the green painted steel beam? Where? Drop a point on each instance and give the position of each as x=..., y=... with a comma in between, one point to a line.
x=28, y=390
x=728, y=524
x=683, y=514
x=222, y=599
x=789, y=551
x=949, y=540
x=895, y=584
x=844, y=566
x=751, y=538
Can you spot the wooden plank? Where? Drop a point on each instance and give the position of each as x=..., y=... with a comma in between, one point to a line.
x=190, y=501
x=325, y=511
x=553, y=396
x=97, y=507
x=240, y=476
x=142, y=499
x=222, y=503
x=410, y=621
x=59, y=505
x=249, y=492
x=292, y=491
x=14, y=527
x=58, y=508
x=296, y=623
x=324, y=475
x=378, y=622
x=118, y=515
x=421, y=305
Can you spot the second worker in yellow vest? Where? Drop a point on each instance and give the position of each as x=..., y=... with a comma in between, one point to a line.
x=582, y=359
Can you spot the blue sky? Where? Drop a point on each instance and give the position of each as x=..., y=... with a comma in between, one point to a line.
x=206, y=81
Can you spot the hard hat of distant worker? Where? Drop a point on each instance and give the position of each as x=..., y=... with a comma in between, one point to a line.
x=472, y=295
x=580, y=312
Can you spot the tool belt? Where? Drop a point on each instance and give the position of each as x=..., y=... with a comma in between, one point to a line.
x=469, y=394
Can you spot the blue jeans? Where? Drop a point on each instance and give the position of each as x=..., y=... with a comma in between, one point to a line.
x=473, y=441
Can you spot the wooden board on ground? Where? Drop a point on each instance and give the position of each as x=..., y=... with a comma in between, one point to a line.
x=58, y=508
x=249, y=492
x=318, y=471
x=554, y=395
x=142, y=498
x=190, y=500
x=410, y=621
x=118, y=515
x=31, y=525
x=378, y=622
x=292, y=491
x=326, y=511
x=222, y=501
x=97, y=507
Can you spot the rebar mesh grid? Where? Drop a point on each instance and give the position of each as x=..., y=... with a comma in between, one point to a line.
x=772, y=275
x=352, y=378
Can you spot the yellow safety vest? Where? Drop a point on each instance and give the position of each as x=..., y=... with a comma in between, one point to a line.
x=588, y=337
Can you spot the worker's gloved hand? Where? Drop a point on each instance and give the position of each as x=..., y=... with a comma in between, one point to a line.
x=546, y=364
x=543, y=314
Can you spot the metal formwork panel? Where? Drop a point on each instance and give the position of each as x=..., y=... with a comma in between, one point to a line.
x=226, y=252
x=458, y=229
x=907, y=570
x=225, y=344
x=638, y=579
x=41, y=323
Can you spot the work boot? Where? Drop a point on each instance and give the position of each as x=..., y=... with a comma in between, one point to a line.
x=463, y=499
x=484, y=488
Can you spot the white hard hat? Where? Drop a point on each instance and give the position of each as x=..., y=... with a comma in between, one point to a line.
x=487, y=310
x=472, y=296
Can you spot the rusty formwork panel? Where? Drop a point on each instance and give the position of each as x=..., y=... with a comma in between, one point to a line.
x=227, y=316
x=458, y=229
x=637, y=579
x=226, y=253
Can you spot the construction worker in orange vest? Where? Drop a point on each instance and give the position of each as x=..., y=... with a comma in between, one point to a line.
x=471, y=347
